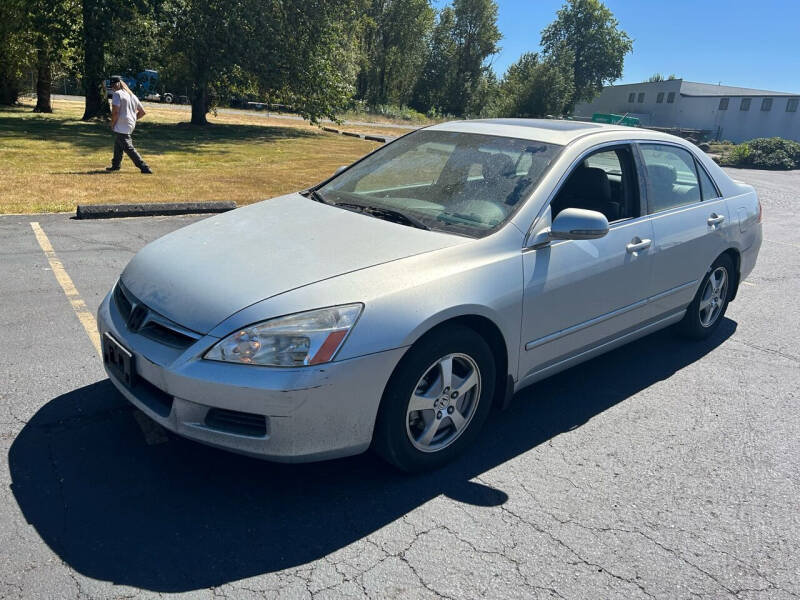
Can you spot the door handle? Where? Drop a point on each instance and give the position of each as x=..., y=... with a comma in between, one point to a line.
x=638, y=246
x=715, y=219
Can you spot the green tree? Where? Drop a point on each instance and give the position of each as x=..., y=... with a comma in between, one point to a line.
x=298, y=52
x=438, y=74
x=53, y=27
x=15, y=50
x=591, y=33
x=309, y=58
x=659, y=77
x=394, y=38
x=477, y=36
x=456, y=76
x=534, y=88
x=99, y=19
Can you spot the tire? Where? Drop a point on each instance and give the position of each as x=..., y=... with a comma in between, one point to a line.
x=168, y=98
x=701, y=318
x=449, y=420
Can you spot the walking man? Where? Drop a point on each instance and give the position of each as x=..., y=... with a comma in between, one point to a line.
x=125, y=109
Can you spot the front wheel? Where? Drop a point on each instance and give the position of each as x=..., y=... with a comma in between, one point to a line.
x=704, y=314
x=437, y=400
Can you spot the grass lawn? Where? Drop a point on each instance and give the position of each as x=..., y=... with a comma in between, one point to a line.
x=54, y=162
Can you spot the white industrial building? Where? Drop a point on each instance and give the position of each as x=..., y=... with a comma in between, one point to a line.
x=722, y=112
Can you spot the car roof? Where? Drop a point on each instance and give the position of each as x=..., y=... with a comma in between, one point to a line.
x=549, y=131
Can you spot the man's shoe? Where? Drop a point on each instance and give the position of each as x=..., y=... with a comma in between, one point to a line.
x=146, y=171
x=112, y=168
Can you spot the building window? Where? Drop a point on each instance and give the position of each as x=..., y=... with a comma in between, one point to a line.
x=791, y=104
x=723, y=103
x=744, y=104
x=660, y=98
x=632, y=97
x=641, y=97
x=766, y=104
x=670, y=97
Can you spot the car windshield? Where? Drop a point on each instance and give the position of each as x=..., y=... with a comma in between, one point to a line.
x=462, y=183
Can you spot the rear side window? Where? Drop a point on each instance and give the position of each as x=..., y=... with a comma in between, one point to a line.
x=707, y=187
x=671, y=177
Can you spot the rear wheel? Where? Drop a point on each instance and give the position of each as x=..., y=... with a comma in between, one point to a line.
x=704, y=314
x=437, y=400
x=168, y=98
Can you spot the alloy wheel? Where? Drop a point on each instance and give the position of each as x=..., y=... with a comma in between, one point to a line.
x=443, y=402
x=714, y=296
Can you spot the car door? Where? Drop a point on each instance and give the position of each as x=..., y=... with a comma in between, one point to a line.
x=688, y=218
x=579, y=293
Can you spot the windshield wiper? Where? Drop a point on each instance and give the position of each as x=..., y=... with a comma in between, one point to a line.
x=316, y=196
x=388, y=214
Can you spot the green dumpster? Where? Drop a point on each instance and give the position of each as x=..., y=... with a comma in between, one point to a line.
x=615, y=119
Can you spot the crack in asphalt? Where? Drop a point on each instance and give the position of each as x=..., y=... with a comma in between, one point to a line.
x=767, y=350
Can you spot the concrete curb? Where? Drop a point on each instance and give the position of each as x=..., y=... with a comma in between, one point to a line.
x=112, y=211
x=363, y=136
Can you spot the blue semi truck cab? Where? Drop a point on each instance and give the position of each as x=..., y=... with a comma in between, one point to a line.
x=145, y=86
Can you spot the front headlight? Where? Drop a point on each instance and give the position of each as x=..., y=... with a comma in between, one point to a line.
x=307, y=338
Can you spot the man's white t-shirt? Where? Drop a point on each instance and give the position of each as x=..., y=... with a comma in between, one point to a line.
x=128, y=105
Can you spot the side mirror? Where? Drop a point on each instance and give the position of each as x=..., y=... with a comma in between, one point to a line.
x=339, y=170
x=578, y=224
x=572, y=224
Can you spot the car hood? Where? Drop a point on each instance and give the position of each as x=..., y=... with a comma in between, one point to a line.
x=199, y=275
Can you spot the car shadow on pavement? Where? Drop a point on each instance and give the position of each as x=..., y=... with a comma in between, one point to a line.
x=180, y=516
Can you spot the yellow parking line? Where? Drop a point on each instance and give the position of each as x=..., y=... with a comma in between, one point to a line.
x=78, y=305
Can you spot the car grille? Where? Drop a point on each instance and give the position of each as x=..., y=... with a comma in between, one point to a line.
x=124, y=305
x=234, y=421
x=151, y=325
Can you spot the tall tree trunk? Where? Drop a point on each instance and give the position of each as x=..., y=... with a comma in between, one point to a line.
x=44, y=79
x=9, y=86
x=93, y=64
x=199, y=104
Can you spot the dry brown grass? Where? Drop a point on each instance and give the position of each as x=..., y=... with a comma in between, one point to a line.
x=54, y=162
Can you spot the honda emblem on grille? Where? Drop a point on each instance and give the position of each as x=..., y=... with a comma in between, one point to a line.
x=137, y=317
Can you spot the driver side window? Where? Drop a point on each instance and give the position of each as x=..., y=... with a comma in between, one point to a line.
x=604, y=181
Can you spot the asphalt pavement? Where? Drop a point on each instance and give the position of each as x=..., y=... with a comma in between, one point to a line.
x=664, y=469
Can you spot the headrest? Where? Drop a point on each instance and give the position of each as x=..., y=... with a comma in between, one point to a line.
x=590, y=183
x=662, y=175
x=498, y=165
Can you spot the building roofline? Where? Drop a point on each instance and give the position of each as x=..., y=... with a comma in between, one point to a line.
x=700, y=90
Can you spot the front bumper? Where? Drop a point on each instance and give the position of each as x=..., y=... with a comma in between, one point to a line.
x=310, y=413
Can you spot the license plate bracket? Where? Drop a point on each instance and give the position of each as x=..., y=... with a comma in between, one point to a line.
x=119, y=360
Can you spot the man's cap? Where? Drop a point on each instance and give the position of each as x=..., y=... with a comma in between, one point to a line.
x=116, y=79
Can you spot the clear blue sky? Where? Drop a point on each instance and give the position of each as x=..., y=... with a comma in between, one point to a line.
x=745, y=43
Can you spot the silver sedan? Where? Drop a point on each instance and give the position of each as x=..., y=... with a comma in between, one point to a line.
x=393, y=305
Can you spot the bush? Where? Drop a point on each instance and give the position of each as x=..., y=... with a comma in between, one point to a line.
x=390, y=111
x=764, y=153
